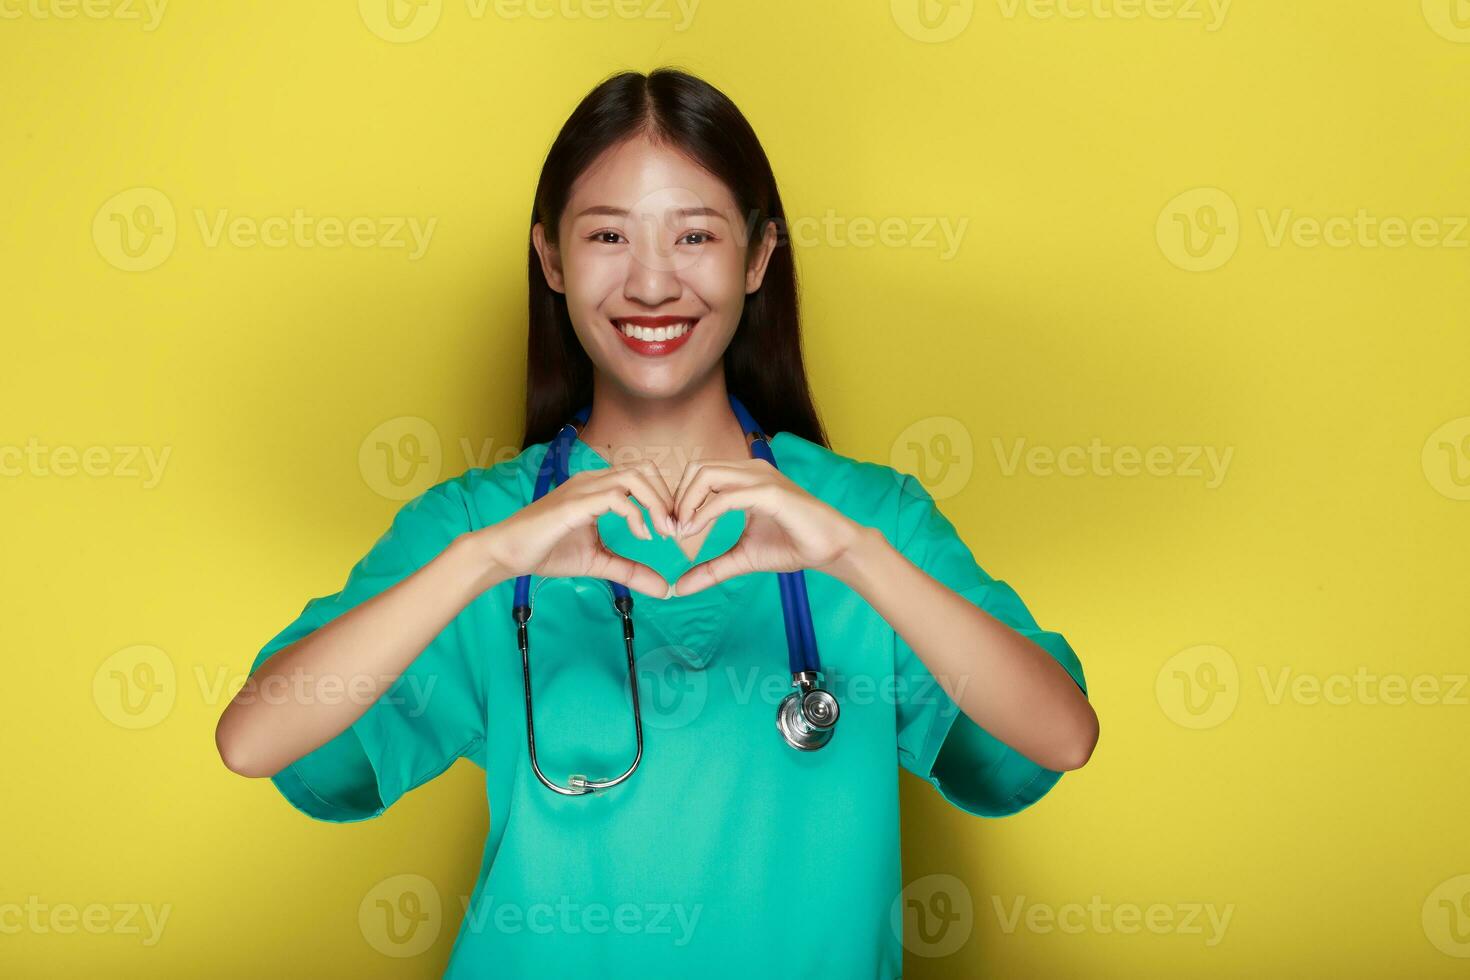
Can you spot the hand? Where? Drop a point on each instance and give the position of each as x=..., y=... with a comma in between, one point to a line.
x=786, y=528
x=556, y=536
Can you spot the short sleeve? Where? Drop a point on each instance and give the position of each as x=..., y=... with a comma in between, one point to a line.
x=973, y=769
x=431, y=715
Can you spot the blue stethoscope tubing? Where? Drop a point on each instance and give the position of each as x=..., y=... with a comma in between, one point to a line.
x=806, y=718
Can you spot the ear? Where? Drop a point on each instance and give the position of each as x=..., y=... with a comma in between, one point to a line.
x=550, y=258
x=755, y=269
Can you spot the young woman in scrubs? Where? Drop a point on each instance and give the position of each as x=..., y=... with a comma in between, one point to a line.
x=661, y=283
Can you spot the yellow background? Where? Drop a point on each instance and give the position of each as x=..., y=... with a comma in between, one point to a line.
x=1335, y=375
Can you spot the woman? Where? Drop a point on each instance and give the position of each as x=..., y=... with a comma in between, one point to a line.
x=660, y=286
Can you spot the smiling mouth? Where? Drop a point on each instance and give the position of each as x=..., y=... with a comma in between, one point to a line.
x=655, y=336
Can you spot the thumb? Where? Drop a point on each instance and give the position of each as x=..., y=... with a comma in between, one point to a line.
x=708, y=573
x=635, y=575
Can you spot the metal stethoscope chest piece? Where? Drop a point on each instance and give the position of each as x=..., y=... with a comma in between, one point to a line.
x=806, y=718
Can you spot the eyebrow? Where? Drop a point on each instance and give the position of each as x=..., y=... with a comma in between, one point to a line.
x=623, y=212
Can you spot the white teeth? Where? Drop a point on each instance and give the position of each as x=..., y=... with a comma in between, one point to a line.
x=655, y=333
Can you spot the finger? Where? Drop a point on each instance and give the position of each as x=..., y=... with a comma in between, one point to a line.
x=635, y=575
x=757, y=499
x=712, y=478
x=615, y=500
x=707, y=573
x=691, y=470
x=663, y=515
x=645, y=490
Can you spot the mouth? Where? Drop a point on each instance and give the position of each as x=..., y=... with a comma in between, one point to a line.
x=655, y=336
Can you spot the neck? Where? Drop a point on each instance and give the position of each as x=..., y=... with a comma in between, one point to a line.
x=670, y=432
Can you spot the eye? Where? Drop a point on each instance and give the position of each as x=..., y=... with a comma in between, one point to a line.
x=602, y=237
x=703, y=235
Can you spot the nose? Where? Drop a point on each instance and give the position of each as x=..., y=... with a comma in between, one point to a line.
x=652, y=276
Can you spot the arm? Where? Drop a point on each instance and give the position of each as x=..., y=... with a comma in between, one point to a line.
x=274, y=719
x=1000, y=679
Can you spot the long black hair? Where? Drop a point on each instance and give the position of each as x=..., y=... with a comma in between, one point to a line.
x=763, y=365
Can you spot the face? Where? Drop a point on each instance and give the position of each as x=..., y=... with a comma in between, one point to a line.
x=652, y=257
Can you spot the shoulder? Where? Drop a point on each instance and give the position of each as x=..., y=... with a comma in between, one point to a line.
x=482, y=495
x=867, y=491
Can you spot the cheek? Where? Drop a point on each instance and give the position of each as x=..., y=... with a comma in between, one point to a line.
x=720, y=280
x=590, y=277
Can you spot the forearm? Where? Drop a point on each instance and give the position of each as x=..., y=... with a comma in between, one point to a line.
x=1001, y=680
x=312, y=690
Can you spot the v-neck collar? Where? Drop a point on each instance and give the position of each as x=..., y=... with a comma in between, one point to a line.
x=694, y=626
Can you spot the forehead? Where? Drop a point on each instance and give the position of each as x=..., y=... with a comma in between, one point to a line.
x=638, y=175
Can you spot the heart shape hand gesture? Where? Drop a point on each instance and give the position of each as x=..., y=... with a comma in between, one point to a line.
x=786, y=528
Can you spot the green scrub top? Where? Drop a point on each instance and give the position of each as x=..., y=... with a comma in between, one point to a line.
x=727, y=853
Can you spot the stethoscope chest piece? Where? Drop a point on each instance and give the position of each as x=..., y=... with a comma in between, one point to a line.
x=807, y=716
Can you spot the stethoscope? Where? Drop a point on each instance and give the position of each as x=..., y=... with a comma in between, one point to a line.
x=805, y=718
